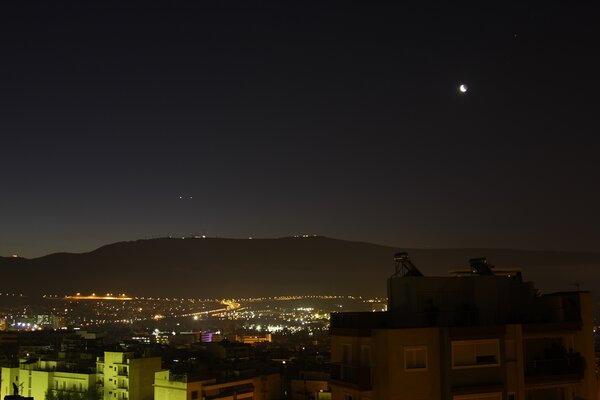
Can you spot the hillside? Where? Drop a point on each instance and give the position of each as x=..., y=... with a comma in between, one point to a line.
x=239, y=267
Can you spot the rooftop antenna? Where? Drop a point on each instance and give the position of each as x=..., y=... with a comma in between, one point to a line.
x=480, y=266
x=405, y=267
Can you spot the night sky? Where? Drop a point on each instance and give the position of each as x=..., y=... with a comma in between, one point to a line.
x=342, y=119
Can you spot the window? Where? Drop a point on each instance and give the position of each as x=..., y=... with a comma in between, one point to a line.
x=347, y=396
x=415, y=358
x=194, y=394
x=475, y=353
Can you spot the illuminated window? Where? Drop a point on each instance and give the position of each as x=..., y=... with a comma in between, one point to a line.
x=415, y=358
x=475, y=353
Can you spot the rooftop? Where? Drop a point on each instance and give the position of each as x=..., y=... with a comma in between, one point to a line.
x=477, y=296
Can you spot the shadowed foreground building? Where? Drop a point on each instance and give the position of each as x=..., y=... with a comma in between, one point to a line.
x=480, y=334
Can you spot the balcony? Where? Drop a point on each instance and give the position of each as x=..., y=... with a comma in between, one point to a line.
x=564, y=368
x=357, y=377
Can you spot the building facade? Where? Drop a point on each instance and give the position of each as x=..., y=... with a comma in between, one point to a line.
x=118, y=375
x=123, y=376
x=168, y=386
x=481, y=334
x=310, y=385
x=48, y=379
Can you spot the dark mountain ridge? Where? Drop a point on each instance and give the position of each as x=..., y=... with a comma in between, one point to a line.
x=216, y=267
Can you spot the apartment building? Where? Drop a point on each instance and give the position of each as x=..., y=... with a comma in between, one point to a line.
x=125, y=376
x=168, y=386
x=48, y=378
x=117, y=376
x=481, y=333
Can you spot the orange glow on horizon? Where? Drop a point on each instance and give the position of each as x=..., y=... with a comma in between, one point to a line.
x=94, y=297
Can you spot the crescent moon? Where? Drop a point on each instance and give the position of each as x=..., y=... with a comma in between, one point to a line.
x=463, y=88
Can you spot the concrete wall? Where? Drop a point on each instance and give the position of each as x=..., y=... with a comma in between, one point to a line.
x=141, y=377
x=494, y=297
x=391, y=379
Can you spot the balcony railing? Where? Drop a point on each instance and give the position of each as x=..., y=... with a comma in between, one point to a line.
x=568, y=365
x=360, y=377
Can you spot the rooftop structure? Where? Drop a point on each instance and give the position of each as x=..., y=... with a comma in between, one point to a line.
x=481, y=333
